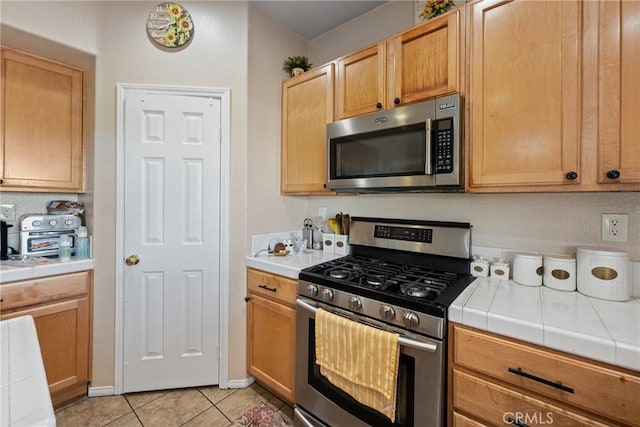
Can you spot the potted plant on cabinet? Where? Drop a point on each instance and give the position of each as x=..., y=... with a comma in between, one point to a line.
x=295, y=65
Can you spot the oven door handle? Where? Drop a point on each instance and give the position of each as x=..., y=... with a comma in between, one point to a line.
x=407, y=342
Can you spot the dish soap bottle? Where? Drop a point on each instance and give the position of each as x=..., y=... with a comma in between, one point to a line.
x=65, y=248
x=82, y=243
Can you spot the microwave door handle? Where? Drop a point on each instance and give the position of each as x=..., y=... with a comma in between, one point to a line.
x=428, y=162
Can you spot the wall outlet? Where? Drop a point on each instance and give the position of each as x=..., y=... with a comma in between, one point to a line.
x=615, y=227
x=8, y=212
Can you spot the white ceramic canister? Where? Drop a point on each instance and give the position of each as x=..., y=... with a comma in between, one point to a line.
x=527, y=269
x=499, y=269
x=479, y=267
x=559, y=272
x=604, y=274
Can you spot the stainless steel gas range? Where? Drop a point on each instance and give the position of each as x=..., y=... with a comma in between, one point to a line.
x=401, y=277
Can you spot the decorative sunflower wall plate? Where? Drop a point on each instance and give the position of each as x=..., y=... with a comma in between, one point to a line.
x=170, y=25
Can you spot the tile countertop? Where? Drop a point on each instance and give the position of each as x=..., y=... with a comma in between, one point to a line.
x=11, y=271
x=606, y=331
x=289, y=265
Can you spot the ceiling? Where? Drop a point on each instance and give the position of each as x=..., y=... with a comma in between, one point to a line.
x=310, y=18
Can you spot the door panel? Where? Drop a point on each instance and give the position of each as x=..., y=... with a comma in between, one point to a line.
x=172, y=222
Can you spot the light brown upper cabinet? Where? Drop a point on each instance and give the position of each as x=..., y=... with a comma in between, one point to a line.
x=554, y=96
x=418, y=64
x=619, y=92
x=360, y=82
x=525, y=86
x=307, y=107
x=42, y=138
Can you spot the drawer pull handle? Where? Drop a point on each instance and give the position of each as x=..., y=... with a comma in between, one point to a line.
x=266, y=288
x=557, y=384
x=516, y=422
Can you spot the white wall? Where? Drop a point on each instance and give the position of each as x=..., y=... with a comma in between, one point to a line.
x=383, y=21
x=270, y=43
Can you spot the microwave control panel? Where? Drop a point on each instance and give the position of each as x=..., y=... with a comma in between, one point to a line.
x=443, y=145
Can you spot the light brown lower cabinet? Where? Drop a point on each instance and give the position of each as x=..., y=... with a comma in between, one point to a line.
x=61, y=307
x=496, y=380
x=271, y=319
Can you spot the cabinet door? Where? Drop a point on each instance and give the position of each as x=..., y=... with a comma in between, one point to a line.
x=42, y=124
x=619, y=92
x=525, y=93
x=426, y=60
x=307, y=107
x=271, y=344
x=64, y=337
x=360, y=82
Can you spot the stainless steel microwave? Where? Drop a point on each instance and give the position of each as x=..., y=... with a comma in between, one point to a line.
x=417, y=147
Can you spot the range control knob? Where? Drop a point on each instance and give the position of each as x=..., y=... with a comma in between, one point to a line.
x=387, y=312
x=410, y=319
x=327, y=295
x=355, y=303
x=312, y=290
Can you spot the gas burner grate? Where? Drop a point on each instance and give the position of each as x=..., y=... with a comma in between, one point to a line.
x=409, y=281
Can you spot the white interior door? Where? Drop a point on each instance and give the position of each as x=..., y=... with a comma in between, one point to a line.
x=172, y=211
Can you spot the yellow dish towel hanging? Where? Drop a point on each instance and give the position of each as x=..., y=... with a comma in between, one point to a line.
x=359, y=359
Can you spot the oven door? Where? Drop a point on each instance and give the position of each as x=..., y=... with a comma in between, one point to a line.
x=420, y=391
x=44, y=243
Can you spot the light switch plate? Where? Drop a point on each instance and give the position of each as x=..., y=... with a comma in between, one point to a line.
x=8, y=212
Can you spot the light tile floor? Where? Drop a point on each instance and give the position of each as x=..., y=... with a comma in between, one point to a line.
x=192, y=407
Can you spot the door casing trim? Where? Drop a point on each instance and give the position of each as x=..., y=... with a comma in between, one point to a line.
x=224, y=95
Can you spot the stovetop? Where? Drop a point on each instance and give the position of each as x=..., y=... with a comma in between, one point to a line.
x=425, y=289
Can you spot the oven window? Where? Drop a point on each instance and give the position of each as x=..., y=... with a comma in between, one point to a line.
x=392, y=152
x=405, y=390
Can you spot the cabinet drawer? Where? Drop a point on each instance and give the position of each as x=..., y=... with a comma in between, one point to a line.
x=606, y=391
x=38, y=291
x=497, y=405
x=272, y=286
x=462, y=421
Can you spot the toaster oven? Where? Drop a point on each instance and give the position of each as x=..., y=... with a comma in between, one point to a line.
x=40, y=233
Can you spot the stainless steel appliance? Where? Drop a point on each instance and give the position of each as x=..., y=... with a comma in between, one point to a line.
x=401, y=276
x=40, y=234
x=417, y=147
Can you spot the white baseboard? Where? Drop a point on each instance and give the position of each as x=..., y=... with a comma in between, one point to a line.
x=110, y=390
x=241, y=383
x=102, y=391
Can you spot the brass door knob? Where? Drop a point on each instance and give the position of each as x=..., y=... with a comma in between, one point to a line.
x=132, y=260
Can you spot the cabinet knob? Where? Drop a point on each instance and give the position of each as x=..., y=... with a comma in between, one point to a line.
x=571, y=176
x=247, y=299
x=379, y=105
x=396, y=101
x=613, y=174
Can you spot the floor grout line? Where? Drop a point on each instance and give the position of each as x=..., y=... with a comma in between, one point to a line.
x=219, y=395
